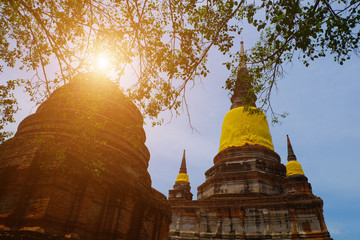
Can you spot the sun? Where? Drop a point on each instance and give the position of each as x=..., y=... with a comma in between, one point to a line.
x=102, y=62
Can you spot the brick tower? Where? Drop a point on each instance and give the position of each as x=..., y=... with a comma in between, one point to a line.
x=77, y=169
x=248, y=193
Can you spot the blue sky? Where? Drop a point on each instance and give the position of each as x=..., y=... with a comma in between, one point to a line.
x=323, y=124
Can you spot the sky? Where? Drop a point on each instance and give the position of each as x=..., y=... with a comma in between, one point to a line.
x=323, y=124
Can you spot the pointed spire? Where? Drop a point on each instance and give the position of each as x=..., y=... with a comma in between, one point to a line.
x=291, y=155
x=242, y=62
x=293, y=167
x=183, y=164
x=182, y=176
x=241, y=96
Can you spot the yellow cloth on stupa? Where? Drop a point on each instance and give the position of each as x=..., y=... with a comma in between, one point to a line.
x=241, y=128
x=294, y=167
x=182, y=177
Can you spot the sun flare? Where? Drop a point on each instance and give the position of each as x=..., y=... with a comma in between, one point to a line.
x=102, y=62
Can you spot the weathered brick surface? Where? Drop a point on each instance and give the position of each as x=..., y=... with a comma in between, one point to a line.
x=246, y=195
x=79, y=165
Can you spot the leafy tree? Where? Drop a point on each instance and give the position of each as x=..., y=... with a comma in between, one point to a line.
x=166, y=42
x=8, y=107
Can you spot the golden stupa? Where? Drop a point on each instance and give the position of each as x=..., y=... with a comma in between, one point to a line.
x=182, y=176
x=244, y=124
x=293, y=167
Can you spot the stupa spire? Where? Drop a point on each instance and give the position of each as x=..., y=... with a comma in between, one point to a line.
x=291, y=155
x=293, y=167
x=242, y=96
x=240, y=126
x=182, y=176
x=242, y=62
x=183, y=164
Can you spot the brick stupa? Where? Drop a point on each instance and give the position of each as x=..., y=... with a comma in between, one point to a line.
x=77, y=169
x=248, y=193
